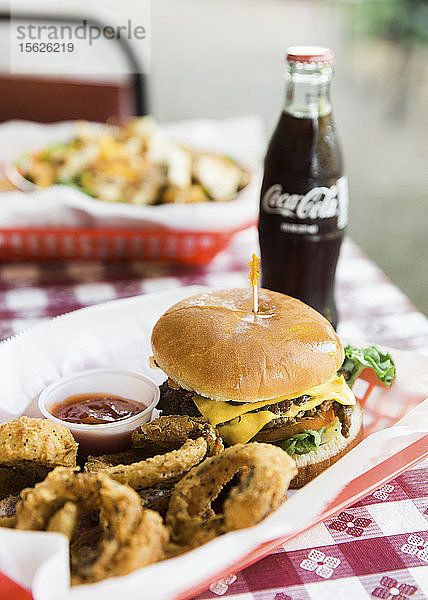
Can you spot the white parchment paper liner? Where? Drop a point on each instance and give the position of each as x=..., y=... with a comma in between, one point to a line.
x=117, y=334
x=242, y=138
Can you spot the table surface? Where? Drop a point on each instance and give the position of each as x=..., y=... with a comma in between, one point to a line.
x=378, y=547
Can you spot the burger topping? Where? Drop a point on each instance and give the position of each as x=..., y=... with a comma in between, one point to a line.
x=304, y=442
x=357, y=359
x=277, y=429
x=345, y=415
x=245, y=427
x=280, y=429
x=317, y=413
x=221, y=412
x=310, y=440
x=280, y=407
x=177, y=402
x=242, y=429
x=238, y=423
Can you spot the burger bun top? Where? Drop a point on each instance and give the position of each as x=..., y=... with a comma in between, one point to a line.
x=214, y=344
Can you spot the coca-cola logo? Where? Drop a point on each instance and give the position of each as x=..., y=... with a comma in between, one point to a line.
x=318, y=203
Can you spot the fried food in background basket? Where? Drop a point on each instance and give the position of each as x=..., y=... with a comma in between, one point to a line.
x=169, y=440
x=134, y=163
x=165, y=467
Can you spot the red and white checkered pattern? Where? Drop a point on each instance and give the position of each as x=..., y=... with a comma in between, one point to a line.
x=384, y=554
x=370, y=306
x=378, y=547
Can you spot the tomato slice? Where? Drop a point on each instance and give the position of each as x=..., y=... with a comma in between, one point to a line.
x=289, y=429
x=317, y=422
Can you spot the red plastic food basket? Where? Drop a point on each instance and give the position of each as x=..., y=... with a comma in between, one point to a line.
x=191, y=247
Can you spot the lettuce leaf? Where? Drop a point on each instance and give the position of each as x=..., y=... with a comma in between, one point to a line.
x=304, y=442
x=51, y=150
x=357, y=359
x=77, y=186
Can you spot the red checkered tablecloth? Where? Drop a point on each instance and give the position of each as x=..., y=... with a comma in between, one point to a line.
x=377, y=548
x=370, y=306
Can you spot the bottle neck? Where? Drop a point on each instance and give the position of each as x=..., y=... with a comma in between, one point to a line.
x=308, y=90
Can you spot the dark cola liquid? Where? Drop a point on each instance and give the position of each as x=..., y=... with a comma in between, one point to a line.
x=302, y=211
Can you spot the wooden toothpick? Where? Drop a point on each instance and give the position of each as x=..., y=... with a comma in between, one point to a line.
x=254, y=275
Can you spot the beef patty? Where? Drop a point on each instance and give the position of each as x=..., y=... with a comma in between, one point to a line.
x=180, y=402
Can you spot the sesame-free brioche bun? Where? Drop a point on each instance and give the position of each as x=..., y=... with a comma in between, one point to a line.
x=215, y=345
x=315, y=462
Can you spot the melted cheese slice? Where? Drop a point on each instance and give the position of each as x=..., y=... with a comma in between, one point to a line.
x=245, y=427
x=221, y=412
x=242, y=429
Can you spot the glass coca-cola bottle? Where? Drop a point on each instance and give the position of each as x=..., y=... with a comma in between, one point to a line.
x=304, y=196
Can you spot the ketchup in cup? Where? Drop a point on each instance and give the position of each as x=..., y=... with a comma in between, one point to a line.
x=94, y=409
x=101, y=407
x=304, y=195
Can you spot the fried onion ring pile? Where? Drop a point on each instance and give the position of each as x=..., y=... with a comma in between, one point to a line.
x=132, y=536
x=178, y=442
x=264, y=472
x=177, y=466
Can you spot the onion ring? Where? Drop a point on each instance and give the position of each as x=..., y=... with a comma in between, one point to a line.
x=164, y=467
x=8, y=510
x=126, y=457
x=36, y=442
x=64, y=520
x=171, y=431
x=265, y=473
x=157, y=498
x=29, y=449
x=132, y=536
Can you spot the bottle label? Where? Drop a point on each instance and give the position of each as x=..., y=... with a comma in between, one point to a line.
x=298, y=210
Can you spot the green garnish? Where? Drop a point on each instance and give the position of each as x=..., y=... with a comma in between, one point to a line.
x=357, y=359
x=77, y=186
x=304, y=442
x=51, y=150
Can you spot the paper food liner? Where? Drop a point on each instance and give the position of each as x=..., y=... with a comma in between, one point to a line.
x=242, y=138
x=117, y=334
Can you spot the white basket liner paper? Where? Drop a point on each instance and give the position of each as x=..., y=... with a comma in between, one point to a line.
x=242, y=138
x=117, y=334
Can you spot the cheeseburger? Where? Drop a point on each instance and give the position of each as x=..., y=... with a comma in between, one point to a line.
x=271, y=376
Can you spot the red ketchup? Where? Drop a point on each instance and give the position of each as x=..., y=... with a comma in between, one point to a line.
x=95, y=409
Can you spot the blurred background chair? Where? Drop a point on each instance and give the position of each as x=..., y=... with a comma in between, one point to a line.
x=63, y=98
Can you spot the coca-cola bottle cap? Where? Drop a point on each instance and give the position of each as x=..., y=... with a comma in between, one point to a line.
x=310, y=54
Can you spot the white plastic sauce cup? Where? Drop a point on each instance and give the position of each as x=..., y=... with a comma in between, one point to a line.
x=103, y=438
